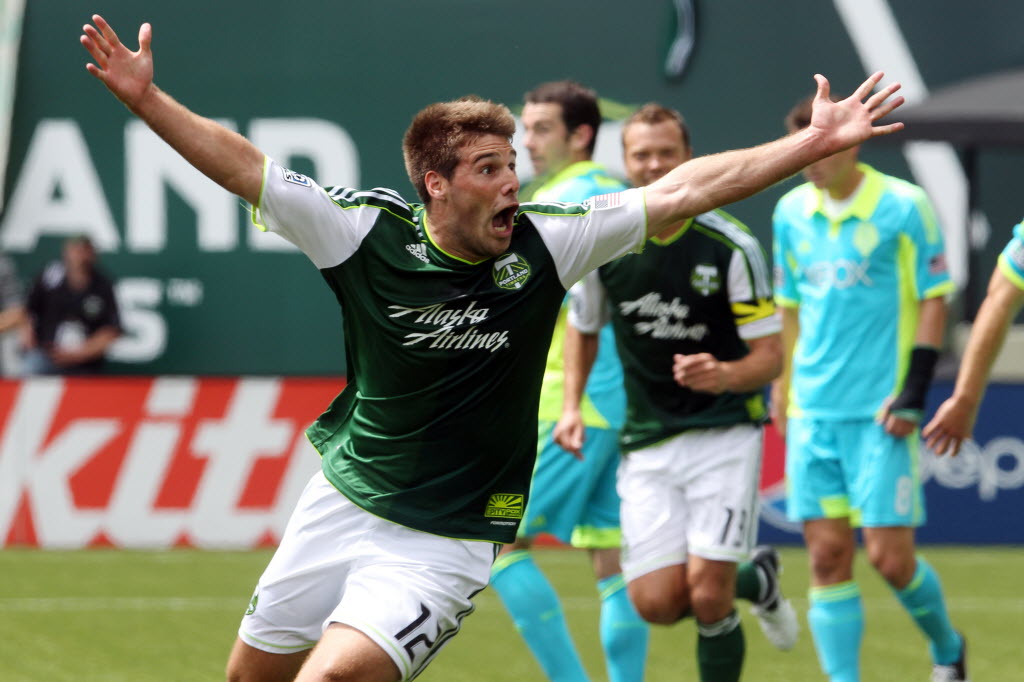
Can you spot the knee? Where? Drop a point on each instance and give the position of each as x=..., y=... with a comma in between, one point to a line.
x=665, y=607
x=711, y=602
x=831, y=561
x=896, y=567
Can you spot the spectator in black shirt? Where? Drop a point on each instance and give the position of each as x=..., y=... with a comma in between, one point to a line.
x=73, y=317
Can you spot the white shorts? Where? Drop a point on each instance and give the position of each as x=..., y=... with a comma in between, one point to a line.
x=406, y=590
x=695, y=493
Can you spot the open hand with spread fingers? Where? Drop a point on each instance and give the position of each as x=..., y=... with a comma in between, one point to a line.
x=849, y=122
x=128, y=75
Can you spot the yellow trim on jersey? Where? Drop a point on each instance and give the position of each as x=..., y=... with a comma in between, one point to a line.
x=255, y=208
x=680, y=231
x=745, y=313
x=909, y=307
x=1008, y=272
x=864, y=202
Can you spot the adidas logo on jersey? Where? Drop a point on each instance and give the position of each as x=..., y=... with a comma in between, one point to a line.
x=418, y=250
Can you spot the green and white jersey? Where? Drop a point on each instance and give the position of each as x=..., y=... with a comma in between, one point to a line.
x=703, y=290
x=437, y=427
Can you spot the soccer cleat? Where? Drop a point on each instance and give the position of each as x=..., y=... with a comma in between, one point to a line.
x=774, y=612
x=954, y=672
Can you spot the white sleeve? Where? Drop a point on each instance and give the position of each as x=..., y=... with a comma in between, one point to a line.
x=588, y=304
x=301, y=211
x=751, y=301
x=609, y=226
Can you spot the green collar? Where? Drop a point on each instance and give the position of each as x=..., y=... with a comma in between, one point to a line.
x=864, y=203
x=426, y=231
x=680, y=231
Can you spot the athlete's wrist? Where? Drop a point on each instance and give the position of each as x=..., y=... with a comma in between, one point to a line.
x=909, y=404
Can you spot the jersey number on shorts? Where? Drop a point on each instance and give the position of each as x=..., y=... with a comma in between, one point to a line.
x=410, y=644
x=740, y=528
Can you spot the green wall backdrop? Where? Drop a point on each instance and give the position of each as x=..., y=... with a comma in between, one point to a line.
x=332, y=86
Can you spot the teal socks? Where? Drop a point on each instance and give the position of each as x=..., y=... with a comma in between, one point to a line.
x=836, y=620
x=923, y=600
x=537, y=614
x=624, y=634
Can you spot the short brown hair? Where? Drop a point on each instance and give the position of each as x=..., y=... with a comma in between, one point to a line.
x=799, y=116
x=437, y=133
x=653, y=113
x=578, y=102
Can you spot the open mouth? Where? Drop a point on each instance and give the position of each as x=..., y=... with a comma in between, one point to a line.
x=503, y=219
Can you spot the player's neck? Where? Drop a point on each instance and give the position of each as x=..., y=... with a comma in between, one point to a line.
x=846, y=185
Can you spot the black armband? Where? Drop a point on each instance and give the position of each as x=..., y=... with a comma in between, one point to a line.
x=909, y=404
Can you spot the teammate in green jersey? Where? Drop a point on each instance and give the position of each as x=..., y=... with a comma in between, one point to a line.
x=698, y=336
x=572, y=499
x=455, y=300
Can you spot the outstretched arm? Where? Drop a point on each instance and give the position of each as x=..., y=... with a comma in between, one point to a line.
x=712, y=181
x=222, y=155
x=954, y=420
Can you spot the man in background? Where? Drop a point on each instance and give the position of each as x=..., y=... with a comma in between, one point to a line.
x=572, y=499
x=861, y=279
x=72, y=314
x=954, y=420
x=698, y=335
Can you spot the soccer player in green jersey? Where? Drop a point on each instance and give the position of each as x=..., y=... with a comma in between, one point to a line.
x=448, y=307
x=572, y=499
x=699, y=338
x=954, y=420
x=861, y=279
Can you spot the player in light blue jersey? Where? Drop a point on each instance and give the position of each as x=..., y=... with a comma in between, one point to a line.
x=861, y=279
x=573, y=499
x=954, y=420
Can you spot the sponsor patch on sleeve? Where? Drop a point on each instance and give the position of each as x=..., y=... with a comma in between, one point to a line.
x=295, y=178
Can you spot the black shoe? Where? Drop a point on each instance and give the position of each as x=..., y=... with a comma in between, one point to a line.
x=956, y=671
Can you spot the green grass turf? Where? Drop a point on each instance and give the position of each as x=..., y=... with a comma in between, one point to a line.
x=117, y=615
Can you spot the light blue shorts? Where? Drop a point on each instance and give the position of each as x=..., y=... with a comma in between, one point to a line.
x=852, y=469
x=575, y=500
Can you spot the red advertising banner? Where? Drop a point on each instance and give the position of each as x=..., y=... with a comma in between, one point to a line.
x=155, y=462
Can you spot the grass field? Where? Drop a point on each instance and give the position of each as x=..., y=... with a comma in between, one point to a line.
x=139, y=616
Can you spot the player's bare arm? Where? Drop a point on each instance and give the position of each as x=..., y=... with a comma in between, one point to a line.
x=578, y=358
x=222, y=155
x=705, y=373
x=719, y=179
x=954, y=420
x=780, y=387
